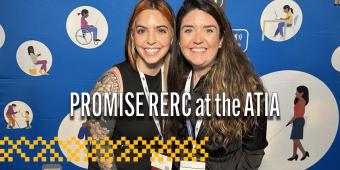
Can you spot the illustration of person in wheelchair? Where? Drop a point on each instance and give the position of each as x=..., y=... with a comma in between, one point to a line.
x=83, y=35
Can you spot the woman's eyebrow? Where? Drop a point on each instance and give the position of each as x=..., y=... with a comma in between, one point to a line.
x=162, y=26
x=205, y=26
x=209, y=26
x=140, y=26
x=158, y=26
x=187, y=26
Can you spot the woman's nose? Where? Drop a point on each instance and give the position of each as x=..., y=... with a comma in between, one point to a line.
x=151, y=40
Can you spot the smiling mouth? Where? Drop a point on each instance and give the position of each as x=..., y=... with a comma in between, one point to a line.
x=152, y=51
x=198, y=49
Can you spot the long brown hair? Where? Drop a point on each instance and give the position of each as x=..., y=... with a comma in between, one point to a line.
x=232, y=74
x=160, y=5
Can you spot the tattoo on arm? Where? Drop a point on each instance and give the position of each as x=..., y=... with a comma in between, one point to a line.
x=101, y=127
x=109, y=82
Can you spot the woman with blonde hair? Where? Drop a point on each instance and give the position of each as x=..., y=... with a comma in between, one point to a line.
x=147, y=48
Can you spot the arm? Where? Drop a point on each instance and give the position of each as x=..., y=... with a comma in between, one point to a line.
x=253, y=145
x=101, y=127
x=287, y=18
x=36, y=55
x=16, y=112
x=301, y=107
x=291, y=121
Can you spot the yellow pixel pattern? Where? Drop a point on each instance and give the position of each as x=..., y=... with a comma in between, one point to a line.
x=186, y=149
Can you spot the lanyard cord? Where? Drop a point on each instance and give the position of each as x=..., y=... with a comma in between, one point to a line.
x=147, y=95
x=187, y=121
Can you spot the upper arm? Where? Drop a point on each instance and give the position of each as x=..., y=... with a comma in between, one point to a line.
x=289, y=16
x=110, y=82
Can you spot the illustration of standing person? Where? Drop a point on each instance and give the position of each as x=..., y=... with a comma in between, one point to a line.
x=300, y=102
x=36, y=61
x=27, y=118
x=10, y=114
x=288, y=20
x=84, y=24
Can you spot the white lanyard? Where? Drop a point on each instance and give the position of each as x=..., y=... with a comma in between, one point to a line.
x=147, y=95
x=199, y=120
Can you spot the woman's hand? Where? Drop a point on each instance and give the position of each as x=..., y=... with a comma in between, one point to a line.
x=290, y=122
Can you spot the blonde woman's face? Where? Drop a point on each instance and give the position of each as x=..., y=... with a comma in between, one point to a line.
x=199, y=38
x=152, y=36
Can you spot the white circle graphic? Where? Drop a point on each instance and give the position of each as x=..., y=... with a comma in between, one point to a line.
x=273, y=18
x=321, y=120
x=18, y=115
x=2, y=36
x=86, y=25
x=336, y=59
x=71, y=128
x=38, y=61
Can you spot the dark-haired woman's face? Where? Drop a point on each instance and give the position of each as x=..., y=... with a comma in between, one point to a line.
x=286, y=10
x=199, y=38
x=298, y=94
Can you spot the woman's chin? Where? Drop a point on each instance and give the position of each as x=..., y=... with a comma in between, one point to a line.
x=153, y=60
x=199, y=65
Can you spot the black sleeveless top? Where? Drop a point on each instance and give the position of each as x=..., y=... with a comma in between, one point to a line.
x=133, y=127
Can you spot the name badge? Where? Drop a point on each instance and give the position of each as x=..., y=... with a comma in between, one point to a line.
x=190, y=165
x=160, y=162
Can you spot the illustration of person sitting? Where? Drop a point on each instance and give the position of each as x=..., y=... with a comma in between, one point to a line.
x=84, y=24
x=300, y=102
x=36, y=61
x=10, y=114
x=288, y=20
x=27, y=118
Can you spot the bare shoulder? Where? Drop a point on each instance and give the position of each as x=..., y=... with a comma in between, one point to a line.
x=302, y=102
x=110, y=81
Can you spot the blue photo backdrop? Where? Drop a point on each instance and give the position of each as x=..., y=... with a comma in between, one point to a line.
x=74, y=67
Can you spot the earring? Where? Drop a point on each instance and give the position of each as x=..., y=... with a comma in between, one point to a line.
x=220, y=45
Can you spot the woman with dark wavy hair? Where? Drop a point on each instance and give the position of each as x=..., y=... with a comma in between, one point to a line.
x=208, y=53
